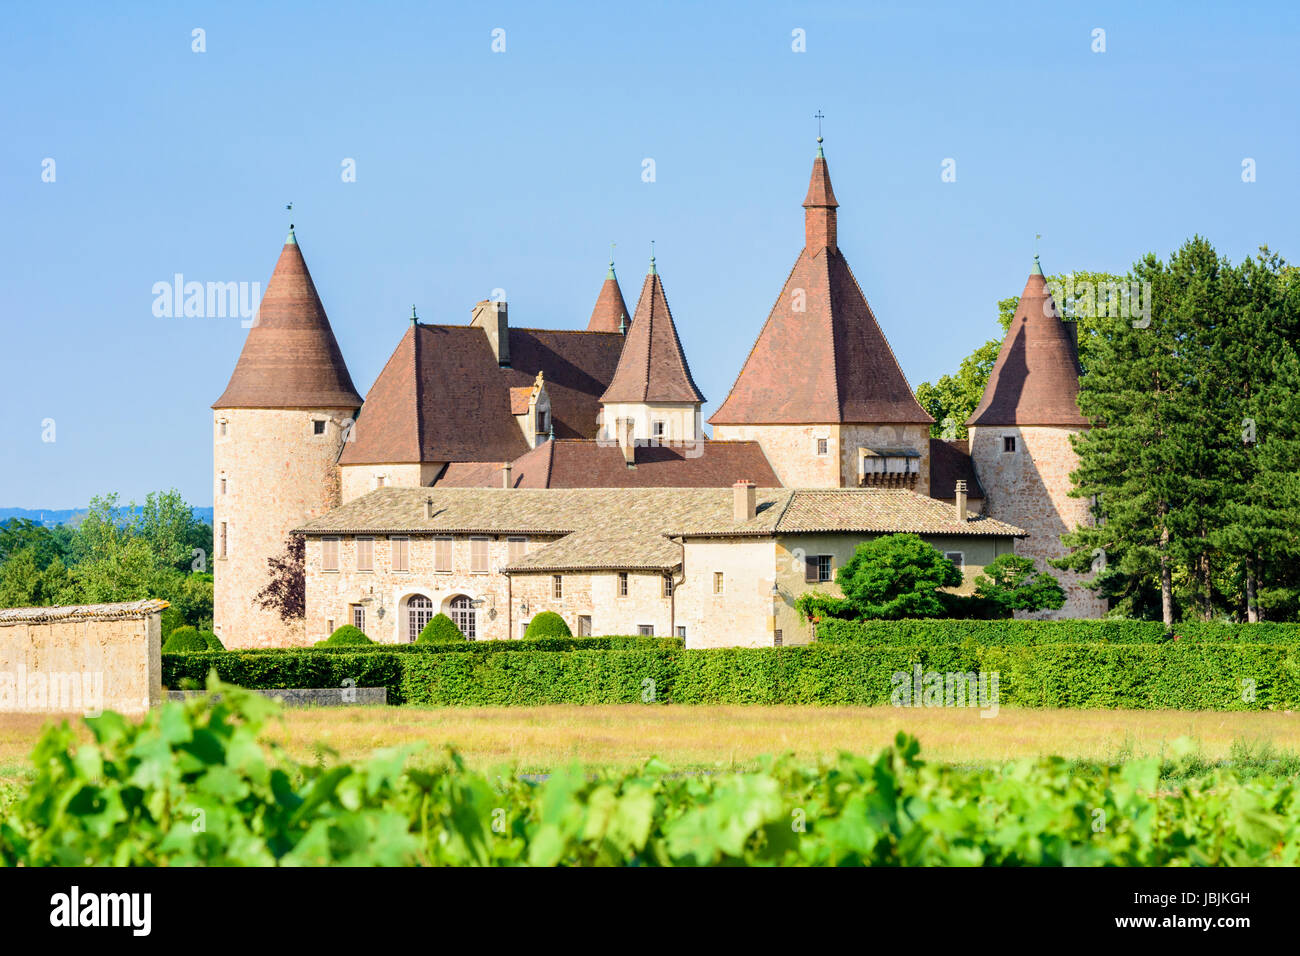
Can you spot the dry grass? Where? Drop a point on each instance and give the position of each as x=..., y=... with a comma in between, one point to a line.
x=542, y=738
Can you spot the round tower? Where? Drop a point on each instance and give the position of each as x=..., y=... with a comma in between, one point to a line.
x=1020, y=440
x=277, y=433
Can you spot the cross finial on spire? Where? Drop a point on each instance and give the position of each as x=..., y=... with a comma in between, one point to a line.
x=1038, y=269
x=653, y=270
x=611, y=260
x=819, y=116
x=289, y=208
x=414, y=317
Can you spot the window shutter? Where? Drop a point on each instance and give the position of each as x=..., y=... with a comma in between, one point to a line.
x=810, y=568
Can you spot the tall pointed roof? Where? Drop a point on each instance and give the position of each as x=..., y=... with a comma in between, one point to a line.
x=1035, y=380
x=610, y=311
x=821, y=357
x=652, y=366
x=290, y=358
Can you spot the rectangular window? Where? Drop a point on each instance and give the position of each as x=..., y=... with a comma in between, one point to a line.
x=223, y=486
x=818, y=569
x=645, y=630
x=668, y=585
x=318, y=426
x=222, y=545
x=659, y=430
x=777, y=637
x=224, y=429
x=379, y=481
x=442, y=555
x=584, y=625
x=543, y=422
x=557, y=586
x=478, y=555
x=681, y=631
x=329, y=554
x=523, y=629
x=622, y=584
x=365, y=554
x=358, y=617
x=1008, y=442
x=329, y=626
x=823, y=446
x=516, y=548
x=957, y=558
x=719, y=582
x=401, y=554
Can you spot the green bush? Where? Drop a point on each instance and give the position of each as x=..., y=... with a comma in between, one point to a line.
x=1008, y=631
x=547, y=624
x=212, y=641
x=346, y=636
x=127, y=797
x=1190, y=675
x=184, y=640
x=440, y=630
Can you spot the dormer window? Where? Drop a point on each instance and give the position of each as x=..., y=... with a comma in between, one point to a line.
x=889, y=467
x=543, y=421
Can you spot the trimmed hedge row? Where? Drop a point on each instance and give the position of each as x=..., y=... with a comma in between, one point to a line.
x=1008, y=631
x=1173, y=675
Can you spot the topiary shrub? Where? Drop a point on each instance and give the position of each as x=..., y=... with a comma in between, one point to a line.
x=213, y=642
x=440, y=630
x=547, y=624
x=345, y=636
x=185, y=640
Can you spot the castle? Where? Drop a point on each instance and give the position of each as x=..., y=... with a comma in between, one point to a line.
x=494, y=471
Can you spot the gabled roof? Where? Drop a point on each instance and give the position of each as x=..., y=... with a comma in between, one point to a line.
x=600, y=464
x=652, y=367
x=290, y=358
x=821, y=357
x=1035, y=380
x=611, y=311
x=443, y=397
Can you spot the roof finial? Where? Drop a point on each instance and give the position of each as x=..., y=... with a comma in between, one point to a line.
x=819, y=116
x=550, y=434
x=622, y=323
x=653, y=270
x=291, y=238
x=1038, y=269
x=611, y=275
x=414, y=318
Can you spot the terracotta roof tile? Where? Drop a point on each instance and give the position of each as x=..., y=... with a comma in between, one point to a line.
x=290, y=358
x=81, y=612
x=950, y=462
x=652, y=367
x=1035, y=380
x=610, y=310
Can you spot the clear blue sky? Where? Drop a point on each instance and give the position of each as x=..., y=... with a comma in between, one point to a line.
x=478, y=170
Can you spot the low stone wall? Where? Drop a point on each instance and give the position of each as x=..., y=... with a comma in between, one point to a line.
x=309, y=696
x=85, y=658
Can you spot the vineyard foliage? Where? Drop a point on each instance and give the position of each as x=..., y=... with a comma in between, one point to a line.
x=192, y=784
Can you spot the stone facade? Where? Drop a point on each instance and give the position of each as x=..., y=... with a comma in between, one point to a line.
x=681, y=421
x=359, y=479
x=796, y=454
x=271, y=472
x=1030, y=487
x=83, y=659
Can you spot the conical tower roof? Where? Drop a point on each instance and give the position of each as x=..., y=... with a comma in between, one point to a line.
x=290, y=358
x=821, y=357
x=1035, y=380
x=652, y=366
x=610, y=312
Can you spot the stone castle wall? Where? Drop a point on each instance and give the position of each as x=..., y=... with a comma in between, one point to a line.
x=792, y=450
x=277, y=475
x=1030, y=487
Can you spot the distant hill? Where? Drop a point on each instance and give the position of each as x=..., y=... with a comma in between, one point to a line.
x=54, y=516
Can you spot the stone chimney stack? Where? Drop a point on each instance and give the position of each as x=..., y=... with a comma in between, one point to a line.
x=961, y=501
x=428, y=507
x=505, y=476
x=626, y=442
x=746, y=500
x=492, y=317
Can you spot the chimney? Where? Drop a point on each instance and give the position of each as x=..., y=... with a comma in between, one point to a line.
x=746, y=500
x=625, y=441
x=428, y=507
x=505, y=475
x=961, y=501
x=492, y=318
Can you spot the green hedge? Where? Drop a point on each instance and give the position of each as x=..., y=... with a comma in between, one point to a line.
x=1173, y=675
x=1049, y=632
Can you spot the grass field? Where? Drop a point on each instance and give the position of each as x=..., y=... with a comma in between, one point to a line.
x=538, y=739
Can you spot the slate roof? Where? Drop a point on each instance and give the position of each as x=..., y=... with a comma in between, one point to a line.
x=627, y=528
x=653, y=367
x=442, y=396
x=1035, y=380
x=290, y=358
x=821, y=357
x=600, y=464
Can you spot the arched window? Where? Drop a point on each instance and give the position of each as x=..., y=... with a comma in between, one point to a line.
x=419, y=609
x=464, y=616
